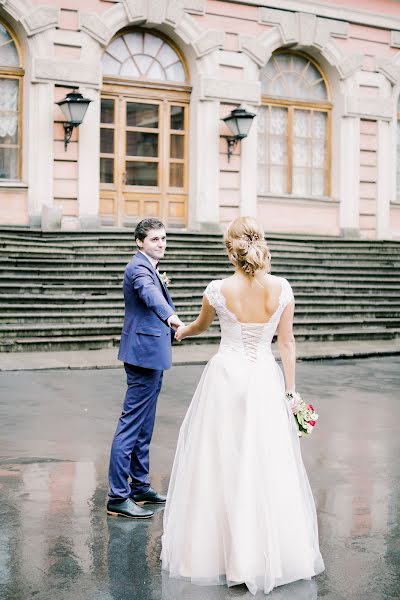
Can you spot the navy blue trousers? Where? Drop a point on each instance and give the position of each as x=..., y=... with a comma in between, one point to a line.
x=130, y=448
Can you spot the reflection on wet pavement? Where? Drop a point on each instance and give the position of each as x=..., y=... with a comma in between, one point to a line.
x=57, y=543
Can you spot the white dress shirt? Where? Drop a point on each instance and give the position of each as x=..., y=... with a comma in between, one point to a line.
x=153, y=261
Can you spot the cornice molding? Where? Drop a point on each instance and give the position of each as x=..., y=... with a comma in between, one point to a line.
x=339, y=13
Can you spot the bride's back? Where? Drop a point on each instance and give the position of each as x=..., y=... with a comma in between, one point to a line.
x=252, y=300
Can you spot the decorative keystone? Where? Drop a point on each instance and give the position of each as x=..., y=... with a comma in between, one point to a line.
x=156, y=11
x=95, y=27
x=327, y=28
x=255, y=49
x=350, y=64
x=286, y=21
x=40, y=19
x=136, y=10
x=304, y=28
x=387, y=68
x=208, y=41
x=174, y=13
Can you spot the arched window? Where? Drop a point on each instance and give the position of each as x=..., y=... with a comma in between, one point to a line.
x=10, y=93
x=142, y=55
x=294, y=145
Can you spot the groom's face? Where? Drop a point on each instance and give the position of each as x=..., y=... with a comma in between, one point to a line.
x=154, y=243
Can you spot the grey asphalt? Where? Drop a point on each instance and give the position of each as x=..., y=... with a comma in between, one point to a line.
x=56, y=542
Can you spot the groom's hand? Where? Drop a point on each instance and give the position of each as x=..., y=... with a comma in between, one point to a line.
x=174, y=322
x=179, y=333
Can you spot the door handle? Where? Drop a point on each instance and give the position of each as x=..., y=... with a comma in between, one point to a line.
x=124, y=178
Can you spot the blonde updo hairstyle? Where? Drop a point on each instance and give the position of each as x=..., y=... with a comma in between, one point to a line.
x=246, y=246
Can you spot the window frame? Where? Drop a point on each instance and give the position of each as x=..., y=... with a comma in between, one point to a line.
x=313, y=106
x=7, y=72
x=158, y=84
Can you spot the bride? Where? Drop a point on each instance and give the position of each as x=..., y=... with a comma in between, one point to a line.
x=239, y=506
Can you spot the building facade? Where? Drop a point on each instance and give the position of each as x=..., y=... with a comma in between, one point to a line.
x=323, y=79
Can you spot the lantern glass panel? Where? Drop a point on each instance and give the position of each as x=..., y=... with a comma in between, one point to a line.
x=65, y=107
x=78, y=110
x=243, y=125
x=232, y=124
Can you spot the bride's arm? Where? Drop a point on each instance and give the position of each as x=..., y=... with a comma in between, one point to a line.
x=202, y=323
x=287, y=346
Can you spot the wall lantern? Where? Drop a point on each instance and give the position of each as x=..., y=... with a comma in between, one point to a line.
x=74, y=107
x=239, y=122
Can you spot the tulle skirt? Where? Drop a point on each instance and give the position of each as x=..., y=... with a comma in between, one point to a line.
x=239, y=506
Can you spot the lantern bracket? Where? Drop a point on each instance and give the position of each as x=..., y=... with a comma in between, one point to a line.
x=68, y=129
x=232, y=143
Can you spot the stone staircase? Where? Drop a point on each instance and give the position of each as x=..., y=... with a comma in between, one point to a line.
x=63, y=291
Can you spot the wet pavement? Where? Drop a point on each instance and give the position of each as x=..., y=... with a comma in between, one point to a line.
x=56, y=542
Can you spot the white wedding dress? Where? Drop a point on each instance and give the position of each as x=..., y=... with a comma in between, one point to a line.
x=239, y=506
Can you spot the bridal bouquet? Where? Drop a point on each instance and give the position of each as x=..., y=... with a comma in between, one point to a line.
x=304, y=414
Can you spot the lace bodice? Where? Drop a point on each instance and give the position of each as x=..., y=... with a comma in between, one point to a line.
x=249, y=338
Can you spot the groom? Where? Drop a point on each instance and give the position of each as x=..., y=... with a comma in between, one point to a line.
x=145, y=349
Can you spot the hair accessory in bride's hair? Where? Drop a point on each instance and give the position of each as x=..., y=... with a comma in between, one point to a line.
x=249, y=240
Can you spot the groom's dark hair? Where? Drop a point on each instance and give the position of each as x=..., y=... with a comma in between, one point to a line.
x=143, y=228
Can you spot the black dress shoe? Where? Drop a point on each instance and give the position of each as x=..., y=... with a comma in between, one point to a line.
x=128, y=508
x=149, y=497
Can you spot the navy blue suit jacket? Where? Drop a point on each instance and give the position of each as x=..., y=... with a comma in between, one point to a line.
x=146, y=337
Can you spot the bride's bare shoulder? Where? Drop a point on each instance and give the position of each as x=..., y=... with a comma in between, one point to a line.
x=273, y=281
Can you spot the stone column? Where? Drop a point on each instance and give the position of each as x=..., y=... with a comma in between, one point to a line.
x=248, y=171
x=204, y=165
x=39, y=155
x=384, y=179
x=88, y=162
x=349, y=175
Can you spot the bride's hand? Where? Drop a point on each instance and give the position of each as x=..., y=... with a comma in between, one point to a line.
x=294, y=399
x=180, y=333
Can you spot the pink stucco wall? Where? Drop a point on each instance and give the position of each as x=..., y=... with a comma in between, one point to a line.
x=395, y=220
x=14, y=206
x=368, y=177
x=65, y=171
x=301, y=217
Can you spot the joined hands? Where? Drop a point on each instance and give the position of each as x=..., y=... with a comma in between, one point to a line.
x=179, y=333
x=175, y=323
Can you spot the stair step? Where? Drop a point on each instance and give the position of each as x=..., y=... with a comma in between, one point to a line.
x=56, y=328
x=102, y=341
x=64, y=290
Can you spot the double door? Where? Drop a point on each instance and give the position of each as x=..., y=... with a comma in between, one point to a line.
x=143, y=160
